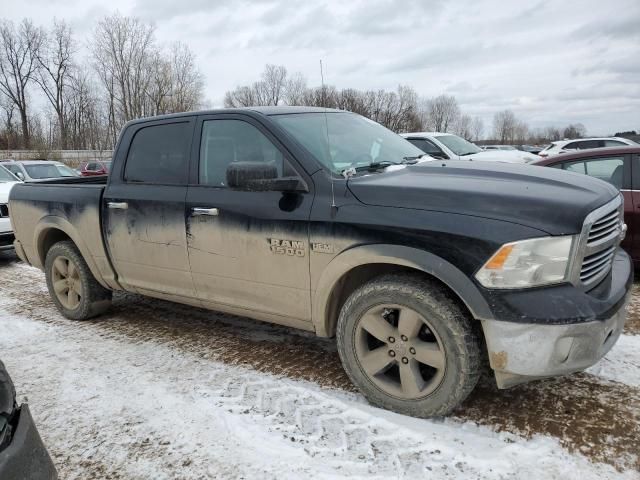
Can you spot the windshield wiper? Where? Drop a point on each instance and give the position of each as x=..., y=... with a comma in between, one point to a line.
x=376, y=166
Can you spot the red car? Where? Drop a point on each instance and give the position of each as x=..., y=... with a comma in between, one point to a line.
x=88, y=169
x=620, y=166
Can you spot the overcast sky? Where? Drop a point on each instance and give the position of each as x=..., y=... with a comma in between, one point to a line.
x=551, y=62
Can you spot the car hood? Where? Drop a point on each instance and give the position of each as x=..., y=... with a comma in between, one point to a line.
x=5, y=188
x=507, y=156
x=551, y=200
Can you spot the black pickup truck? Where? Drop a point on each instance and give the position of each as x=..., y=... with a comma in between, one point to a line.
x=326, y=221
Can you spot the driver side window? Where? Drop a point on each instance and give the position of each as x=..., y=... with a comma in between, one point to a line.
x=224, y=142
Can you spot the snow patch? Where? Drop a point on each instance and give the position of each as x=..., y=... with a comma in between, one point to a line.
x=622, y=363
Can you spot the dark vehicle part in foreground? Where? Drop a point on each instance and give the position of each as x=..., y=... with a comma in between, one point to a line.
x=326, y=221
x=22, y=453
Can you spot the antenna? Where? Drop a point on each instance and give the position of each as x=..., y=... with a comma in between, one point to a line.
x=334, y=207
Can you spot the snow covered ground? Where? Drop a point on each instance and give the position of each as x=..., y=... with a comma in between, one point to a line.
x=117, y=400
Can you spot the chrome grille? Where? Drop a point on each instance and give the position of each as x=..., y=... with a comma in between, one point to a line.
x=604, y=228
x=601, y=235
x=4, y=210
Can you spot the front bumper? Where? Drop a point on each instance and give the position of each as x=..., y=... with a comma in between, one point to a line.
x=523, y=351
x=6, y=240
x=26, y=456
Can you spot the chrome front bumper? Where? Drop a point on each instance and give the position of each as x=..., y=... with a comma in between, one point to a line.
x=521, y=352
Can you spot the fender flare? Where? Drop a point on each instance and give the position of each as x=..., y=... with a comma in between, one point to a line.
x=388, y=254
x=53, y=222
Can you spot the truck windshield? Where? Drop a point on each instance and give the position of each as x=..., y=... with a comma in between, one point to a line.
x=458, y=145
x=351, y=140
x=5, y=176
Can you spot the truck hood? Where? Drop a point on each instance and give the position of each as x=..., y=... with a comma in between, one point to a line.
x=5, y=188
x=547, y=199
x=508, y=156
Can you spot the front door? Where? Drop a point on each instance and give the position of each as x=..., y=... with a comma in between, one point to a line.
x=248, y=250
x=145, y=207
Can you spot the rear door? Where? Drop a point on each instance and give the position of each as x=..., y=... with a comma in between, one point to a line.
x=144, y=208
x=249, y=250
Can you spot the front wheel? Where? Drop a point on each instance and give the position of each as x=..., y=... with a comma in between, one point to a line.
x=72, y=286
x=408, y=346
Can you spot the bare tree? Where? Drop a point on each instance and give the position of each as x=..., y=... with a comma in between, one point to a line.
x=123, y=53
x=442, y=113
x=18, y=66
x=55, y=62
x=504, y=124
x=572, y=131
x=463, y=127
x=477, y=127
x=295, y=88
x=186, y=79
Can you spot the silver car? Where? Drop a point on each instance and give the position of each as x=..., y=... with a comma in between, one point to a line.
x=30, y=170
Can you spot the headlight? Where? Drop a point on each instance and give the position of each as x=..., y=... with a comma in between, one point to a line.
x=528, y=263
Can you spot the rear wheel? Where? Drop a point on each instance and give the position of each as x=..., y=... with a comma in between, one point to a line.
x=72, y=286
x=408, y=346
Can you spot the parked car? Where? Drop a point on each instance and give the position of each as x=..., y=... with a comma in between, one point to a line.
x=564, y=146
x=30, y=170
x=619, y=166
x=451, y=147
x=22, y=454
x=533, y=149
x=326, y=221
x=89, y=169
x=7, y=181
x=498, y=147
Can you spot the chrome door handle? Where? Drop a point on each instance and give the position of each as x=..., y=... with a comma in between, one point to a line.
x=212, y=212
x=118, y=205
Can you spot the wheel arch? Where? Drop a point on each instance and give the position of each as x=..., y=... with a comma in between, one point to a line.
x=51, y=230
x=350, y=269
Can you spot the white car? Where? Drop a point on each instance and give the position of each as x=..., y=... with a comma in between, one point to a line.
x=7, y=181
x=563, y=146
x=452, y=147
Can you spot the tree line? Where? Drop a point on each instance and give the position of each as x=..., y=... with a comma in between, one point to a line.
x=126, y=75
x=402, y=110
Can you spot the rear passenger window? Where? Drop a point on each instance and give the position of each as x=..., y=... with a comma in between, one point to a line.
x=159, y=154
x=227, y=141
x=609, y=169
x=614, y=143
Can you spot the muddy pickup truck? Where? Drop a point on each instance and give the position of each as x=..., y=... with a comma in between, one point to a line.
x=423, y=270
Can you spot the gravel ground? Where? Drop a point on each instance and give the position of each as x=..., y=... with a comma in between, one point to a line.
x=159, y=390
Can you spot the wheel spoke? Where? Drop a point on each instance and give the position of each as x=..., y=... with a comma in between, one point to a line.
x=73, y=273
x=409, y=323
x=430, y=354
x=77, y=287
x=61, y=267
x=377, y=326
x=411, y=380
x=73, y=298
x=60, y=286
x=376, y=360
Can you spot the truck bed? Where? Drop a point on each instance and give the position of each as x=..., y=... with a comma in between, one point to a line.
x=43, y=211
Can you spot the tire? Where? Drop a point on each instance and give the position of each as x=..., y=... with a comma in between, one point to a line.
x=92, y=298
x=434, y=367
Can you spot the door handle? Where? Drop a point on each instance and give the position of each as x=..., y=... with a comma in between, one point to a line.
x=118, y=205
x=212, y=212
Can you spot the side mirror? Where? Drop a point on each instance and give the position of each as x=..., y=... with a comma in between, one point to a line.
x=261, y=177
x=20, y=175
